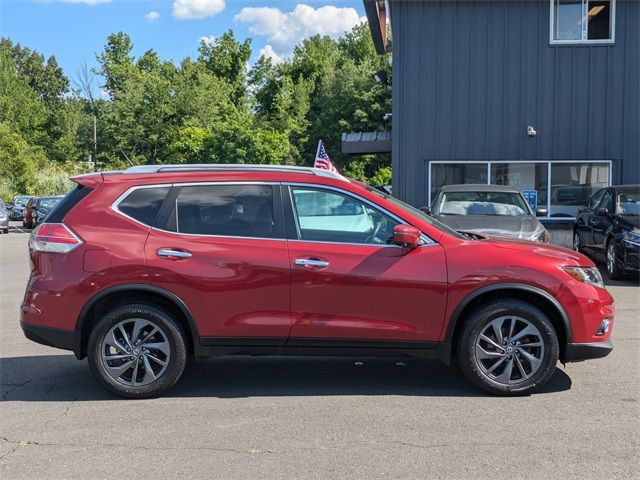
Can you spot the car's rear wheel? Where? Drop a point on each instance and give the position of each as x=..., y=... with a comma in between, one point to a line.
x=137, y=351
x=508, y=348
x=613, y=268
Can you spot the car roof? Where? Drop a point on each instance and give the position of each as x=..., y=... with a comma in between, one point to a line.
x=147, y=174
x=145, y=169
x=478, y=188
x=626, y=188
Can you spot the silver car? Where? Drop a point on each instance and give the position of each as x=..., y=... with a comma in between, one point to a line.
x=4, y=218
x=496, y=210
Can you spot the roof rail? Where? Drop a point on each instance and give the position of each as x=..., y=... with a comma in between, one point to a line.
x=233, y=167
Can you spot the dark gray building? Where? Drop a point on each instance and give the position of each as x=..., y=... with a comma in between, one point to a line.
x=543, y=95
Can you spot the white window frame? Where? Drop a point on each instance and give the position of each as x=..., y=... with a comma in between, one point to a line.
x=584, y=40
x=549, y=163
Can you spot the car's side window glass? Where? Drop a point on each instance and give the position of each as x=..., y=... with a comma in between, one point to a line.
x=607, y=202
x=327, y=216
x=596, y=199
x=143, y=204
x=225, y=210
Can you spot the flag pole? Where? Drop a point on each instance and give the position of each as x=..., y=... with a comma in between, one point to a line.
x=317, y=151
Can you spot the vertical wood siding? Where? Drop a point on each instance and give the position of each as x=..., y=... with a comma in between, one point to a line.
x=469, y=76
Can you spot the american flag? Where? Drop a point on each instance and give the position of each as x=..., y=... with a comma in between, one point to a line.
x=322, y=159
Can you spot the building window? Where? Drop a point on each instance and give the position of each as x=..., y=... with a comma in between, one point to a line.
x=582, y=21
x=559, y=186
x=572, y=186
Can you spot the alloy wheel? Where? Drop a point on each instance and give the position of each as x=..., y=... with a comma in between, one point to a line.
x=135, y=352
x=611, y=258
x=509, y=350
x=576, y=241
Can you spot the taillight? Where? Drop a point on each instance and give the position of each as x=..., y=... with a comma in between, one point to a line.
x=53, y=237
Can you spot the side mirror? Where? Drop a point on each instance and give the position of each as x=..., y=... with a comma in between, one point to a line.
x=426, y=210
x=541, y=212
x=406, y=236
x=602, y=211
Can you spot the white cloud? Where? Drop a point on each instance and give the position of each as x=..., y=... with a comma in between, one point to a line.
x=268, y=52
x=196, y=9
x=284, y=30
x=209, y=40
x=152, y=16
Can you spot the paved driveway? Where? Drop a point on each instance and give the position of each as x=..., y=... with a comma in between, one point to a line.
x=312, y=418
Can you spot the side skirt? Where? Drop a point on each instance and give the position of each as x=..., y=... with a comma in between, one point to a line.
x=218, y=346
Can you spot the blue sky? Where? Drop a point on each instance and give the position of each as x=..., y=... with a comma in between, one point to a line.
x=75, y=30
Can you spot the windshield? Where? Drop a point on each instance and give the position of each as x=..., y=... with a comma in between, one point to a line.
x=628, y=203
x=483, y=203
x=48, y=202
x=418, y=213
x=22, y=200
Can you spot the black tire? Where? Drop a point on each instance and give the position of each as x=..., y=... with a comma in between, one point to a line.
x=480, y=319
x=170, y=328
x=614, y=272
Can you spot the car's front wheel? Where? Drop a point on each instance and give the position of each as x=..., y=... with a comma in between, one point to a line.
x=613, y=268
x=509, y=347
x=576, y=241
x=137, y=351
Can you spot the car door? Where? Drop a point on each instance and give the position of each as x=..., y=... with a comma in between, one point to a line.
x=349, y=284
x=602, y=221
x=221, y=249
x=585, y=220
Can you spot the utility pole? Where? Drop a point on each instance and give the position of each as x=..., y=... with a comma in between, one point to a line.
x=95, y=144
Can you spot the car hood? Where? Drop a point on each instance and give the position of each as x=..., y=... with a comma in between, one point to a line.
x=547, y=250
x=495, y=225
x=632, y=220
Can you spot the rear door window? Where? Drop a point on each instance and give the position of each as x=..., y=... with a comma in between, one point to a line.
x=241, y=210
x=143, y=204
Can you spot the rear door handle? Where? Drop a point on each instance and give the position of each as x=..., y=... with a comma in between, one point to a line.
x=311, y=262
x=173, y=254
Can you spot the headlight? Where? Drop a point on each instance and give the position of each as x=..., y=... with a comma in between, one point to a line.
x=540, y=234
x=632, y=237
x=590, y=275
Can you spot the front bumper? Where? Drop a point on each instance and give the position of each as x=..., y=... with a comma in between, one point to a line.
x=578, y=352
x=629, y=257
x=53, y=337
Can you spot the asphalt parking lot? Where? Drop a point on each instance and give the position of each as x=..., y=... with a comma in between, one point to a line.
x=313, y=417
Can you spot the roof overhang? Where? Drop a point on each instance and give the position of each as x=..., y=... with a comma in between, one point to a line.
x=361, y=143
x=376, y=11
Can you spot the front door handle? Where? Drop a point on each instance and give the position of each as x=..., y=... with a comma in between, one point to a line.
x=173, y=254
x=311, y=262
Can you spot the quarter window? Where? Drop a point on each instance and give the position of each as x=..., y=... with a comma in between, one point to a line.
x=326, y=216
x=226, y=210
x=575, y=21
x=143, y=204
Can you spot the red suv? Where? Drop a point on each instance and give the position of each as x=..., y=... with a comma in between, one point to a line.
x=140, y=269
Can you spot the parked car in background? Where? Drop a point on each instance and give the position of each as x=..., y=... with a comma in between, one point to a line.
x=17, y=207
x=137, y=270
x=43, y=206
x=608, y=229
x=495, y=210
x=29, y=216
x=4, y=218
